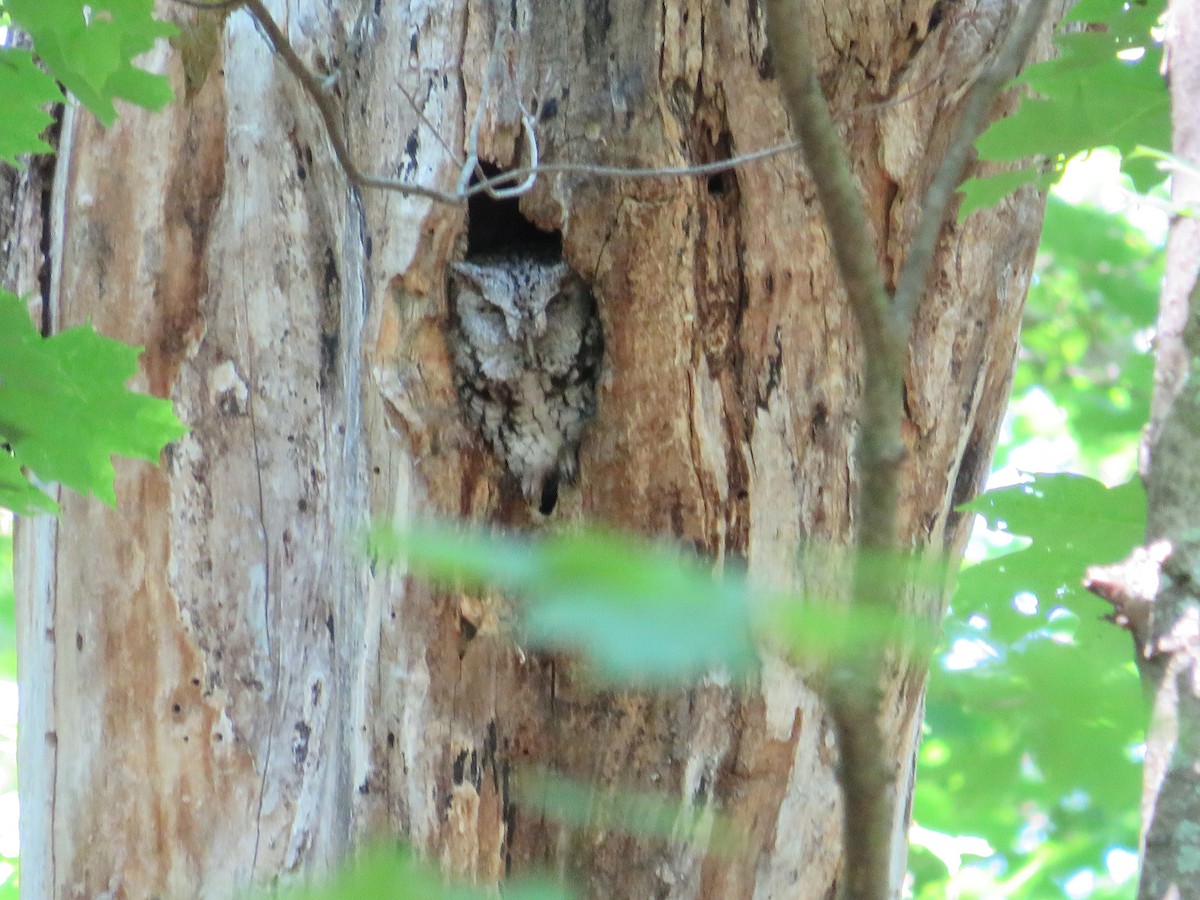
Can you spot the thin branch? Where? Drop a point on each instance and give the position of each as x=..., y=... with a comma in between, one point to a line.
x=437, y=135
x=324, y=101
x=471, y=166
x=880, y=446
x=869, y=790
x=501, y=184
x=712, y=168
x=528, y=124
x=330, y=114
x=1002, y=69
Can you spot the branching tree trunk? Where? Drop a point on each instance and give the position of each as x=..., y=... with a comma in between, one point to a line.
x=217, y=691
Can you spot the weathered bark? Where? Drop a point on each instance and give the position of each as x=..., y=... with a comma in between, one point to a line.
x=223, y=693
x=1167, y=629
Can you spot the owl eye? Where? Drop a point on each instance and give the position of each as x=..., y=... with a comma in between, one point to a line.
x=492, y=315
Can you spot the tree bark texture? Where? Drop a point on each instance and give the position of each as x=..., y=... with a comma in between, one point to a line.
x=1170, y=645
x=217, y=691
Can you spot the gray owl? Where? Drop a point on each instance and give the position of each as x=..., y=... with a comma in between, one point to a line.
x=527, y=346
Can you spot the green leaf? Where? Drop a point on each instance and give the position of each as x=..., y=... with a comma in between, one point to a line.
x=1075, y=522
x=651, y=614
x=16, y=493
x=64, y=409
x=1088, y=97
x=24, y=89
x=1039, y=726
x=640, y=812
x=397, y=874
x=637, y=613
x=90, y=48
x=980, y=193
x=1078, y=520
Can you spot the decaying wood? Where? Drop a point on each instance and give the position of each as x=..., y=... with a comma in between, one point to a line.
x=227, y=695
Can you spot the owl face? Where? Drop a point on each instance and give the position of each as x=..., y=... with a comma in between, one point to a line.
x=525, y=316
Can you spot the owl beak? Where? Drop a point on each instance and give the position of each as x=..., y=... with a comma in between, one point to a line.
x=538, y=321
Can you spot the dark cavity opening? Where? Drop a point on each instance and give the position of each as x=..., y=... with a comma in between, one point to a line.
x=721, y=183
x=497, y=226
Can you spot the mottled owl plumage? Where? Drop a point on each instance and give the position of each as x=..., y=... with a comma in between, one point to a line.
x=527, y=345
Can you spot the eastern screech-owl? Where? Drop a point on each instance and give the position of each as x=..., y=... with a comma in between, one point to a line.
x=527, y=346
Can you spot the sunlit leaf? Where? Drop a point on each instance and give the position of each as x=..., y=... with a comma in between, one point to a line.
x=1086, y=97
x=65, y=410
x=90, y=47
x=25, y=91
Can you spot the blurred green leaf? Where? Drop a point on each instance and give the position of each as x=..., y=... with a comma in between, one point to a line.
x=642, y=613
x=1085, y=339
x=640, y=813
x=636, y=612
x=397, y=874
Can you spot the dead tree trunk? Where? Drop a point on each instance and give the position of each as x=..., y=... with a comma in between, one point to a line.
x=215, y=691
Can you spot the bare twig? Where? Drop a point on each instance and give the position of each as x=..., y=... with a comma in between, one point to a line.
x=471, y=166
x=504, y=184
x=437, y=135
x=323, y=100
x=488, y=185
x=713, y=168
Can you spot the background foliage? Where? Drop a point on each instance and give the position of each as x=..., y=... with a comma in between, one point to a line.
x=1101, y=89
